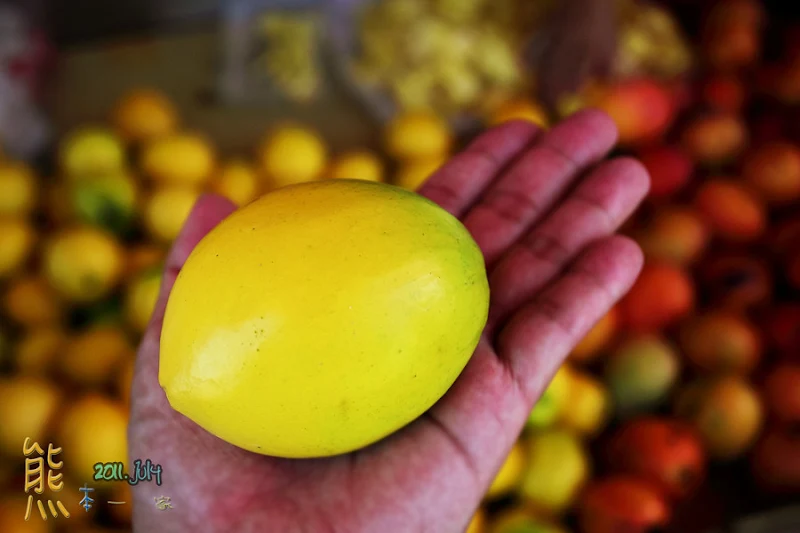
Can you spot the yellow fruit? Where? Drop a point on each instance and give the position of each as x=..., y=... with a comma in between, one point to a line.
x=382, y=277
x=522, y=520
x=30, y=301
x=166, y=210
x=292, y=154
x=91, y=151
x=588, y=405
x=27, y=406
x=109, y=202
x=417, y=135
x=142, y=257
x=557, y=468
x=143, y=114
x=519, y=109
x=507, y=479
x=83, y=263
x=13, y=507
x=16, y=243
x=140, y=299
x=237, y=181
x=357, y=165
x=553, y=401
x=92, y=357
x=478, y=522
x=125, y=380
x=91, y=430
x=17, y=189
x=178, y=159
x=412, y=174
x=37, y=351
x=569, y=105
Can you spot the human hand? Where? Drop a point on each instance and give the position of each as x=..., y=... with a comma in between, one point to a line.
x=544, y=214
x=580, y=43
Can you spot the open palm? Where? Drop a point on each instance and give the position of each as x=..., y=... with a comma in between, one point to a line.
x=544, y=211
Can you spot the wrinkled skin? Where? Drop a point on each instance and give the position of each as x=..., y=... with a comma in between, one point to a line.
x=544, y=212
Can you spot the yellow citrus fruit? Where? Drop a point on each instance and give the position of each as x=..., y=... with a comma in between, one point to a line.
x=144, y=114
x=125, y=380
x=31, y=301
x=166, y=210
x=237, y=181
x=142, y=257
x=27, y=406
x=507, y=478
x=522, y=520
x=292, y=154
x=14, y=505
x=357, y=165
x=16, y=243
x=91, y=151
x=109, y=202
x=415, y=283
x=17, y=189
x=553, y=401
x=83, y=263
x=557, y=468
x=417, y=135
x=178, y=159
x=412, y=174
x=92, y=429
x=588, y=405
x=478, y=522
x=91, y=357
x=519, y=109
x=140, y=299
x=37, y=351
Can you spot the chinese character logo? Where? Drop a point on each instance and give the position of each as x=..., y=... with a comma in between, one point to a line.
x=163, y=503
x=86, y=502
x=35, y=475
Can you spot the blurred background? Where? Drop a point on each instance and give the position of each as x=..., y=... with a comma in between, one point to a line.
x=679, y=412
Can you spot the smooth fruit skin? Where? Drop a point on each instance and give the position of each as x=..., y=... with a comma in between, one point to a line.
x=322, y=317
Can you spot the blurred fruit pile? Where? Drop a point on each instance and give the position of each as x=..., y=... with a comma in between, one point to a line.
x=456, y=56
x=81, y=254
x=696, y=373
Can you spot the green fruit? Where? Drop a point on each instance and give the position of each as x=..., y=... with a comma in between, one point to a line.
x=640, y=373
x=108, y=202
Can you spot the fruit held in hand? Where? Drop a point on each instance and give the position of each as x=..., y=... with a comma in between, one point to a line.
x=322, y=317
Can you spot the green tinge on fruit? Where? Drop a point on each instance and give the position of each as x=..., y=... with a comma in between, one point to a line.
x=107, y=203
x=641, y=373
x=544, y=413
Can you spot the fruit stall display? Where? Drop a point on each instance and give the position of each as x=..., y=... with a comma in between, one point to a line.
x=680, y=406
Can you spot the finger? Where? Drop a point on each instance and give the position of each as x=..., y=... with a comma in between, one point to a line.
x=541, y=334
x=484, y=411
x=532, y=185
x=596, y=209
x=209, y=211
x=457, y=184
